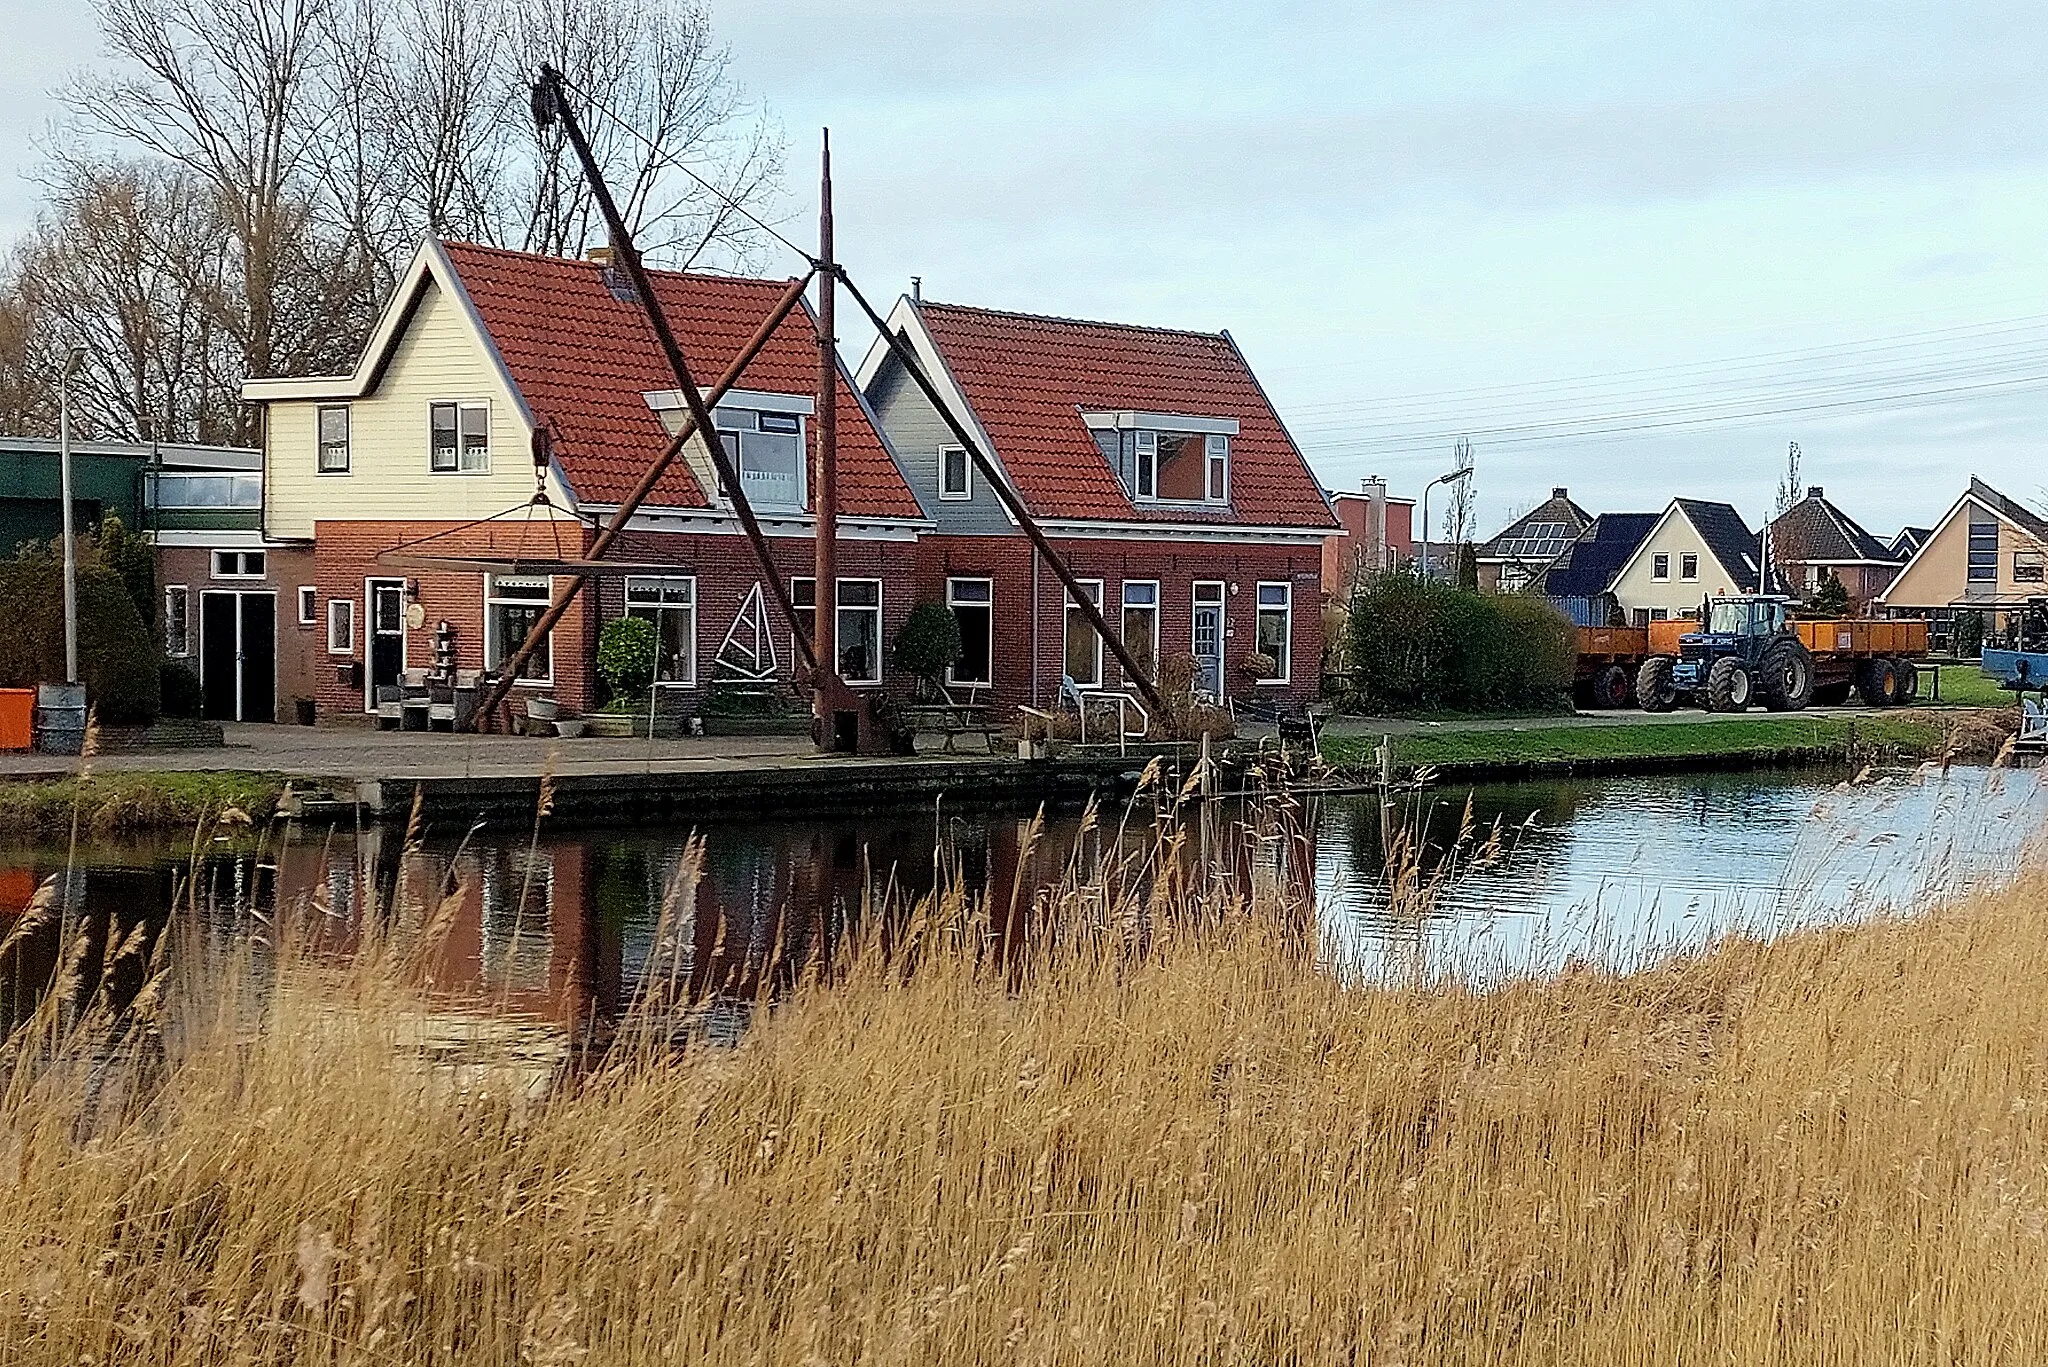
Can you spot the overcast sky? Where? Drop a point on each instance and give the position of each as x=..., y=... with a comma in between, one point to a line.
x=1626, y=222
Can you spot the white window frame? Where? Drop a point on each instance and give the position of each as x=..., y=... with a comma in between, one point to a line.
x=1689, y=567
x=181, y=595
x=309, y=605
x=2037, y=566
x=462, y=465
x=1145, y=467
x=1067, y=606
x=1211, y=593
x=1216, y=461
x=241, y=561
x=662, y=583
x=737, y=451
x=954, y=603
x=1125, y=604
x=341, y=612
x=965, y=491
x=1259, y=610
x=1663, y=575
x=321, y=445
x=840, y=610
x=493, y=647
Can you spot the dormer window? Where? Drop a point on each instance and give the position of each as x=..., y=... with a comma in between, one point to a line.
x=1164, y=458
x=768, y=451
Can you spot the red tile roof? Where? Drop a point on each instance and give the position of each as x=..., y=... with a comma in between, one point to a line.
x=582, y=357
x=1029, y=378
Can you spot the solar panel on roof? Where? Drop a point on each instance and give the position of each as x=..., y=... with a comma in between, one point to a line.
x=1537, y=540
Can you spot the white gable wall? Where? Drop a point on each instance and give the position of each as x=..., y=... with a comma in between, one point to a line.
x=1637, y=587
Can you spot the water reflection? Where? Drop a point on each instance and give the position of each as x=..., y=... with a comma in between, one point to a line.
x=569, y=928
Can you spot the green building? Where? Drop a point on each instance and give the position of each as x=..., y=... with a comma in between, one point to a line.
x=152, y=488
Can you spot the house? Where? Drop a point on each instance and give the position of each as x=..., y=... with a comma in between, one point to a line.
x=1378, y=534
x=504, y=405
x=1581, y=580
x=1695, y=550
x=1814, y=538
x=1158, y=469
x=1988, y=554
x=1906, y=541
x=1525, y=548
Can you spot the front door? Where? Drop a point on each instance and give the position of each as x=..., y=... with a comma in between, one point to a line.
x=387, y=637
x=1207, y=639
x=238, y=655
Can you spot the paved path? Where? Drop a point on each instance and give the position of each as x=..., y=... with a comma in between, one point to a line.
x=350, y=753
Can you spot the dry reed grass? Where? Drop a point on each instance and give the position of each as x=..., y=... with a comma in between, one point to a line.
x=1831, y=1148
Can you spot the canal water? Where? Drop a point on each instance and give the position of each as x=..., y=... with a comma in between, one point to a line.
x=565, y=927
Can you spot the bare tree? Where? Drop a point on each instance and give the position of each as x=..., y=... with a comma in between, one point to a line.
x=1464, y=497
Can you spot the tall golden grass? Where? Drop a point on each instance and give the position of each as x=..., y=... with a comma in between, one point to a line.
x=1830, y=1148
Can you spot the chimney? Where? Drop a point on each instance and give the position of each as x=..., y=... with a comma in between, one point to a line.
x=1813, y=491
x=599, y=256
x=1559, y=492
x=917, y=289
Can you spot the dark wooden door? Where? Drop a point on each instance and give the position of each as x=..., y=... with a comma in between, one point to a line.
x=219, y=628
x=258, y=663
x=387, y=636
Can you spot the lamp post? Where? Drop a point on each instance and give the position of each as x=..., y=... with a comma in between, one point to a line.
x=1450, y=478
x=73, y=358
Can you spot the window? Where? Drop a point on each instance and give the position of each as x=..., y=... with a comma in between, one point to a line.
x=341, y=626
x=1688, y=567
x=238, y=564
x=1141, y=623
x=956, y=473
x=1660, y=567
x=309, y=609
x=859, y=629
x=1276, y=627
x=972, y=601
x=670, y=606
x=512, y=608
x=767, y=449
x=2027, y=568
x=1180, y=467
x=177, y=633
x=1983, y=549
x=1082, y=649
x=803, y=601
x=461, y=437
x=187, y=489
x=1660, y=614
x=333, y=439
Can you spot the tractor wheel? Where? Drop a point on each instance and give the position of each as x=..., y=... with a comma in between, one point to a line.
x=1728, y=686
x=1877, y=683
x=1784, y=678
x=1654, y=692
x=1909, y=681
x=1610, y=687
x=1831, y=695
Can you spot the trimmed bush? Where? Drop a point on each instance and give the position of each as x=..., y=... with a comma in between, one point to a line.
x=1431, y=647
x=928, y=644
x=118, y=661
x=180, y=690
x=627, y=651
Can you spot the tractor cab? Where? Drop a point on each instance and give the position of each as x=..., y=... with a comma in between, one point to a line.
x=1742, y=627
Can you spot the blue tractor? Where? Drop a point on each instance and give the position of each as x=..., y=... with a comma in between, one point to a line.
x=1746, y=653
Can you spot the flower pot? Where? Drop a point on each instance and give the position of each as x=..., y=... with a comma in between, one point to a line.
x=569, y=728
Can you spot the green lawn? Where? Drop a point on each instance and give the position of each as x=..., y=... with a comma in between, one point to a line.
x=134, y=801
x=1966, y=686
x=1643, y=740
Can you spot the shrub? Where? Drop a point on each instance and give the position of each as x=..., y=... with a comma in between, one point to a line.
x=1424, y=647
x=1830, y=598
x=627, y=652
x=118, y=661
x=928, y=643
x=180, y=690
x=129, y=555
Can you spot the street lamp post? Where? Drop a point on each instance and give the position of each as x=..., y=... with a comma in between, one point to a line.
x=73, y=358
x=1450, y=478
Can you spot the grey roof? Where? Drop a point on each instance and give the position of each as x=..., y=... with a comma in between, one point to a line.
x=1588, y=566
x=172, y=454
x=1814, y=529
x=1728, y=537
x=2018, y=513
x=1909, y=540
x=1541, y=534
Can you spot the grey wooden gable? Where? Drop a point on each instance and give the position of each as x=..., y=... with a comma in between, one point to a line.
x=916, y=431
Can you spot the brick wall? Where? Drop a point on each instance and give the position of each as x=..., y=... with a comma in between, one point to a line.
x=285, y=569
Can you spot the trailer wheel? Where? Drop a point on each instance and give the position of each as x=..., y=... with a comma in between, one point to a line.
x=1610, y=687
x=1878, y=683
x=1909, y=681
x=1654, y=692
x=1728, y=686
x=1785, y=677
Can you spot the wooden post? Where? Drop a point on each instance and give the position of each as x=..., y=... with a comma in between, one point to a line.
x=825, y=475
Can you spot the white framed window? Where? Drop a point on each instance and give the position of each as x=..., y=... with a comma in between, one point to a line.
x=1660, y=566
x=309, y=606
x=669, y=604
x=341, y=626
x=1273, y=634
x=513, y=606
x=1983, y=563
x=973, y=605
x=239, y=564
x=2029, y=567
x=333, y=434
x=1180, y=467
x=956, y=474
x=859, y=630
x=767, y=449
x=1689, y=567
x=1141, y=623
x=177, y=621
x=1081, y=648
x=459, y=438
